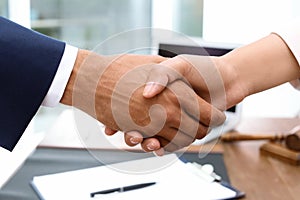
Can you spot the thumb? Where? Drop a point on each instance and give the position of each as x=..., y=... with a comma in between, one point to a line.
x=153, y=88
x=156, y=81
x=160, y=76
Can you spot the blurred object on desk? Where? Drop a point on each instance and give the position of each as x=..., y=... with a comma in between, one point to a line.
x=267, y=125
x=236, y=136
x=65, y=133
x=283, y=146
x=281, y=152
x=75, y=129
x=291, y=139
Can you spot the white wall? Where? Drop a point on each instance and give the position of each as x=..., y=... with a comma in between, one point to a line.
x=19, y=11
x=244, y=21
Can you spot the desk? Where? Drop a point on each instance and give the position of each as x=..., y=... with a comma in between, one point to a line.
x=259, y=176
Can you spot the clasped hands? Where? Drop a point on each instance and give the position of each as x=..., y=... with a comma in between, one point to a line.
x=163, y=104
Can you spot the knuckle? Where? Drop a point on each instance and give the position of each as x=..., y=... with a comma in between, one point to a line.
x=218, y=118
x=171, y=147
x=206, y=117
x=212, y=116
x=173, y=117
x=202, y=132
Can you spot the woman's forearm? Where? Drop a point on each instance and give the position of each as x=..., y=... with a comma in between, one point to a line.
x=258, y=66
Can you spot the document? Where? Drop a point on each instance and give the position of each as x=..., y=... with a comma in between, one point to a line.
x=173, y=179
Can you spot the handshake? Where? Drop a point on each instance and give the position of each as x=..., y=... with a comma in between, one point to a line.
x=166, y=104
x=162, y=104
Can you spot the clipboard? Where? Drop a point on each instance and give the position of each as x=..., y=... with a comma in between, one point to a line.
x=173, y=181
x=67, y=159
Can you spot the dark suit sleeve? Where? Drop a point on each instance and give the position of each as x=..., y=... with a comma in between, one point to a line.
x=28, y=63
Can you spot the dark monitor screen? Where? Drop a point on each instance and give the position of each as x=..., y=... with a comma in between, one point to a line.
x=171, y=50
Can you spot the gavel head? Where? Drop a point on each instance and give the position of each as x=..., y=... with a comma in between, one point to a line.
x=292, y=141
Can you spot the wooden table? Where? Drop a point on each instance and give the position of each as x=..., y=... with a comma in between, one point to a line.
x=259, y=176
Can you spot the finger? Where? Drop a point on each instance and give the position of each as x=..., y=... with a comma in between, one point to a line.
x=154, y=87
x=168, y=145
x=132, y=138
x=183, y=133
x=109, y=131
x=159, y=152
x=203, y=111
x=157, y=58
x=151, y=144
x=191, y=129
x=218, y=117
x=156, y=81
x=182, y=129
x=179, y=137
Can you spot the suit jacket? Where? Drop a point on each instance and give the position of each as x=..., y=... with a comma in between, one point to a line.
x=28, y=63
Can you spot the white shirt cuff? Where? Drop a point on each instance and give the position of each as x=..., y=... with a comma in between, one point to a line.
x=62, y=76
x=291, y=35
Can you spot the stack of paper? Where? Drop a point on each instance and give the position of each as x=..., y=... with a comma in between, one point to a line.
x=174, y=180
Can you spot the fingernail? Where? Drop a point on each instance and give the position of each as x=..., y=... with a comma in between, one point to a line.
x=151, y=146
x=148, y=88
x=109, y=131
x=134, y=140
x=159, y=152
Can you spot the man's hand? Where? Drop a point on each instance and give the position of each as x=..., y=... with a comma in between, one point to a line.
x=110, y=89
x=201, y=72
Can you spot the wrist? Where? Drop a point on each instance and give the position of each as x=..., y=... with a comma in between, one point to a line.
x=235, y=88
x=88, y=88
x=67, y=97
x=260, y=65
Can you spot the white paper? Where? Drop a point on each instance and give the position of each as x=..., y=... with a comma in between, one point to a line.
x=172, y=182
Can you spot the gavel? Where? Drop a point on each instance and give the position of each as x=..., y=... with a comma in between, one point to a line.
x=291, y=140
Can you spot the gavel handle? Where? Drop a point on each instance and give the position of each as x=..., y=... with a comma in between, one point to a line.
x=230, y=137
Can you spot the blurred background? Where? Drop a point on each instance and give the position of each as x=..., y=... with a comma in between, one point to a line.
x=85, y=24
